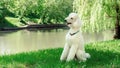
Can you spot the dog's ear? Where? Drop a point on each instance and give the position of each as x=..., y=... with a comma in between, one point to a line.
x=80, y=22
x=77, y=16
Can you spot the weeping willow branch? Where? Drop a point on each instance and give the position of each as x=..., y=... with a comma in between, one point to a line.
x=109, y=16
x=97, y=15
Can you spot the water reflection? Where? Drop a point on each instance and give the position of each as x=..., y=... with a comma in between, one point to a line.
x=30, y=40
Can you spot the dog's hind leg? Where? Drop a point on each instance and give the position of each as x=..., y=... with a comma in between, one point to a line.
x=81, y=55
x=65, y=52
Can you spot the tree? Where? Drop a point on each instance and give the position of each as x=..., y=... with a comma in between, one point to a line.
x=2, y=17
x=22, y=8
x=99, y=15
x=3, y=10
x=55, y=11
x=4, y=5
x=49, y=11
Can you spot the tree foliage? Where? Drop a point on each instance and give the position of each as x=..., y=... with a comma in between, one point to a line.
x=25, y=7
x=2, y=11
x=48, y=11
x=56, y=10
x=97, y=15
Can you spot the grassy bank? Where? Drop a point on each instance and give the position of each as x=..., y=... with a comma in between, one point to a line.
x=11, y=22
x=103, y=55
x=14, y=22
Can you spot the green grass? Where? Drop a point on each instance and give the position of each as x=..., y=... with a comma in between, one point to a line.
x=103, y=55
x=14, y=21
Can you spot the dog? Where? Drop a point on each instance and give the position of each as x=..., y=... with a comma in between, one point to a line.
x=74, y=46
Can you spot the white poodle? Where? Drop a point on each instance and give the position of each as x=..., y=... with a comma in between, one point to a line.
x=74, y=47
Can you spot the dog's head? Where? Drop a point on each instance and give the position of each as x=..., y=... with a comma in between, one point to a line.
x=73, y=20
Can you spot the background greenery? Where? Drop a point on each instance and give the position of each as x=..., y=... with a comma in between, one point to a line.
x=46, y=11
x=97, y=15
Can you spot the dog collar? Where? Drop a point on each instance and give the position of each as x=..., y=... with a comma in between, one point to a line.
x=74, y=33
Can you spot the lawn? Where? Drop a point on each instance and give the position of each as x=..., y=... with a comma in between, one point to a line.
x=103, y=55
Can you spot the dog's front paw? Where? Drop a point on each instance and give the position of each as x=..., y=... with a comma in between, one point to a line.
x=61, y=59
x=69, y=59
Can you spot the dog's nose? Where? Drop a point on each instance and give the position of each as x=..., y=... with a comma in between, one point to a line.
x=65, y=20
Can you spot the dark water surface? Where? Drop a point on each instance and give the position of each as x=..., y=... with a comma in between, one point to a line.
x=12, y=42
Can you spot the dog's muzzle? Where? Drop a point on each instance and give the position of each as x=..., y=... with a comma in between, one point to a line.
x=67, y=22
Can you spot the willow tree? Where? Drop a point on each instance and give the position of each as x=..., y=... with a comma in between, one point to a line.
x=99, y=15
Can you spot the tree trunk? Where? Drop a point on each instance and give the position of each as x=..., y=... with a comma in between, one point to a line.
x=117, y=25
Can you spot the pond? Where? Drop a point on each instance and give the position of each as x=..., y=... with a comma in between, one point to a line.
x=12, y=42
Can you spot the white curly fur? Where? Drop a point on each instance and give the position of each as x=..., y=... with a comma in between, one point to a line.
x=74, y=43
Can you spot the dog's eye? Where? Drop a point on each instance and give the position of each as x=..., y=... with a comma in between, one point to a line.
x=71, y=18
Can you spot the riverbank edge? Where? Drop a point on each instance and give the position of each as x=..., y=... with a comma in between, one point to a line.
x=37, y=26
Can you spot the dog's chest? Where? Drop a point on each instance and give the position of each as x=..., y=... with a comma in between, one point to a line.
x=70, y=39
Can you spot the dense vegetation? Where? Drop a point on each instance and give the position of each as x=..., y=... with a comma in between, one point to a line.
x=47, y=11
x=99, y=15
x=103, y=55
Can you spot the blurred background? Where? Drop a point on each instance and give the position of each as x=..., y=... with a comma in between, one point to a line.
x=100, y=23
